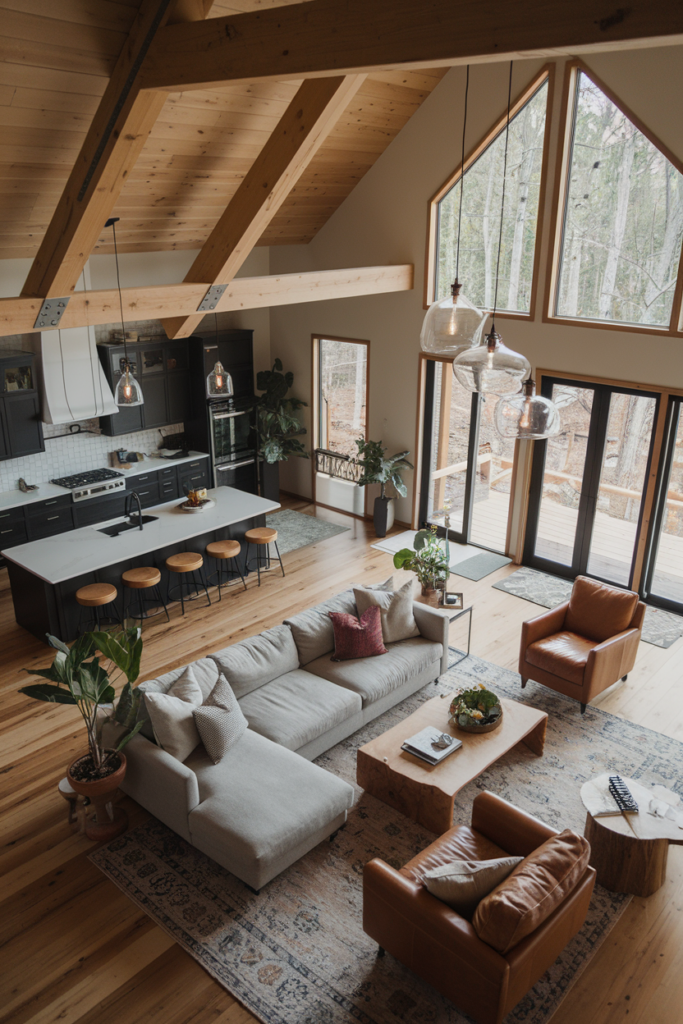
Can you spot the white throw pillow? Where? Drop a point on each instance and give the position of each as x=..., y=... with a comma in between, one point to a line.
x=220, y=722
x=463, y=884
x=395, y=609
x=171, y=715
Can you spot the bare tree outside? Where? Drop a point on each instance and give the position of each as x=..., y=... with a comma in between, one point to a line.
x=483, y=184
x=623, y=223
x=343, y=368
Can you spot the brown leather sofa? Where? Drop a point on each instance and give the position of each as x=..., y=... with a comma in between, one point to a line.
x=584, y=645
x=442, y=947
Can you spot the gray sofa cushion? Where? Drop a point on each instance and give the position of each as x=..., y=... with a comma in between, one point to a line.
x=298, y=707
x=253, y=662
x=374, y=678
x=312, y=629
x=205, y=672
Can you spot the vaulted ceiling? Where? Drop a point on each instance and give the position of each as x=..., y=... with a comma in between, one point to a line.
x=55, y=61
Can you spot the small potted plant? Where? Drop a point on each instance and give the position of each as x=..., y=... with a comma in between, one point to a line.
x=377, y=469
x=77, y=677
x=476, y=710
x=277, y=426
x=427, y=560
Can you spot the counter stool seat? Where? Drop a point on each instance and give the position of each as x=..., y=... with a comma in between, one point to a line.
x=222, y=551
x=187, y=563
x=97, y=596
x=261, y=537
x=145, y=577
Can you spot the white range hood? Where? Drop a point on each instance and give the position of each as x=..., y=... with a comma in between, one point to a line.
x=72, y=381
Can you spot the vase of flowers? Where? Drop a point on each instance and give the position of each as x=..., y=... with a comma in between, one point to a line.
x=476, y=710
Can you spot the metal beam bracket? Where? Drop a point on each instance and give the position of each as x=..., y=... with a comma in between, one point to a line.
x=212, y=298
x=51, y=312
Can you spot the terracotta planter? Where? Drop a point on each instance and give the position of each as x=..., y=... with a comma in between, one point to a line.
x=478, y=728
x=109, y=821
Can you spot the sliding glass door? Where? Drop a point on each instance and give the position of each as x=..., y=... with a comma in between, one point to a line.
x=585, y=505
x=664, y=574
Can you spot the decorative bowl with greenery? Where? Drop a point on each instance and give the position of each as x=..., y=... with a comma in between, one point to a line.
x=377, y=469
x=428, y=560
x=476, y=709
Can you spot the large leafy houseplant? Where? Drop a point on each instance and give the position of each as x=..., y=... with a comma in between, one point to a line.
x=277, y=422
x=376, y=468
x=428, y=559
x=78, y=677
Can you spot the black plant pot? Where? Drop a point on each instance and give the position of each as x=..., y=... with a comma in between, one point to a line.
x=383, y=515
x=270, y=480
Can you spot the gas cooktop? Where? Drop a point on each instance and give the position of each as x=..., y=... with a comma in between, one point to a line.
x=92, y=484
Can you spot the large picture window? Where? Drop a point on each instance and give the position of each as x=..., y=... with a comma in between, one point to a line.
x=623, y=218
x=480, y=227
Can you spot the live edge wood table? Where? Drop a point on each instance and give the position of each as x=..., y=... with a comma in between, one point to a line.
x=424, y=792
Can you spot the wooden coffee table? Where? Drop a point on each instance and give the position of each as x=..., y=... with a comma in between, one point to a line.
x=424, y=792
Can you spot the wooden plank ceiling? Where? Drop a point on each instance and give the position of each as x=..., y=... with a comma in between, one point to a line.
x=53, y=71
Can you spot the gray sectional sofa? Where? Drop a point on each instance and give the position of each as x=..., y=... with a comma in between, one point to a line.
x=264, y=805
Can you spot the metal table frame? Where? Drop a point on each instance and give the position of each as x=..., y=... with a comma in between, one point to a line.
x=456, y=613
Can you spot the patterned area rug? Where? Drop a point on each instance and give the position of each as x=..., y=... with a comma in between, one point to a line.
x=297, y=954
x=297, y=530
x=660, y=627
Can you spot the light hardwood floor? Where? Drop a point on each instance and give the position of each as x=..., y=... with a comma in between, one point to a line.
x=74, y=949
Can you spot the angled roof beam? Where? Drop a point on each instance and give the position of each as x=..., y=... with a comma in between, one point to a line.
x=300, y=132
x=334, y=37
x=115, y=138
x=18, y=315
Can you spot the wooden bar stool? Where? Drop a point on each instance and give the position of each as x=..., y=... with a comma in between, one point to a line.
x=97, y=596
x=261, y=537
x=187, y=563
x=224, y=551
x=145, y=583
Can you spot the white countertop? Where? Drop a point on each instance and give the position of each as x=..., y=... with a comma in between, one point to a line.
x=66, y=555
x=14, y=499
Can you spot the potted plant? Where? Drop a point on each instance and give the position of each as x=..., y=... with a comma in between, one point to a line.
x=476, y=710
x=277, y=427
x=377, y=469
x=427, y=560
x=77, y=677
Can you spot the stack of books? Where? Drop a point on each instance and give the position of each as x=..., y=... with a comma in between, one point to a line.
x=424, y=745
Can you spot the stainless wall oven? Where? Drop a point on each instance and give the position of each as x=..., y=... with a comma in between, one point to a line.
x=231, y=439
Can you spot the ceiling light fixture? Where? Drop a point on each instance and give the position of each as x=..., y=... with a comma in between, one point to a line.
x=128, y=390
x=453, y=323
x=219, y=381
x=527, y=416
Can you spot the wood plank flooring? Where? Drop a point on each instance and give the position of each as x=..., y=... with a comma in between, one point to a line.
x=74, y=949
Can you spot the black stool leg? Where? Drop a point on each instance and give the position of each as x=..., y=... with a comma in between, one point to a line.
x=237, y=564
x=219, y=573
x=202, y=577
x=182, y=602
x=258, y=563
x=279, y=557
x=97, y=618
x=160, y=597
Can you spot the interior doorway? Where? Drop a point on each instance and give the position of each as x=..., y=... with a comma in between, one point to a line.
x=340, y=415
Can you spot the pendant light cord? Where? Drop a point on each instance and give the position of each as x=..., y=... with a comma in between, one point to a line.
x=462, y=173
x=118, y=285
x=502, y=203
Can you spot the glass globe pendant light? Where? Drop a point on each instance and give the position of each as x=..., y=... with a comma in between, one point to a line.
x=528, y=416
x=128, y=390
x=219, y=381
x=453, y=323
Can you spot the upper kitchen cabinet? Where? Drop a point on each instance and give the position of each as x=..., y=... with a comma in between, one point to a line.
x=160, y=367
x=21, y=432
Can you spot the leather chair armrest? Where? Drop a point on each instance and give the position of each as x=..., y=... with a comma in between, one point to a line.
x=543, y=625
x=515, y=831
x=433, y=625
x=610, y=660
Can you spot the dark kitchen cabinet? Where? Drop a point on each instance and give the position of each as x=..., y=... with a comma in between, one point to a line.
x=99, y=510
x=155, y=390
x=161, y=370
x=21, y=431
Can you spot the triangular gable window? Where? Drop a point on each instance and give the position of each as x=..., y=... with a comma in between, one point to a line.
x=623, y=222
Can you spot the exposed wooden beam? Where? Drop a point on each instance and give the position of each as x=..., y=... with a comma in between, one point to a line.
x=300, y=132
x=114, y=141
x=17, y=315
x=332, y=37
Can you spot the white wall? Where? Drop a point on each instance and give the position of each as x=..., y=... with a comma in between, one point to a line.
x=384, y=221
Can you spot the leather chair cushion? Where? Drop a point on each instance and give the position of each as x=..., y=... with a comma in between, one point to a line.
x=532, y=892
x=598, y=611
x=564, y=654
x=459, y=843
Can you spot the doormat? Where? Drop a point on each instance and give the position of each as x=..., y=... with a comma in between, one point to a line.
x=481, y=565
x=297, y=530
x=660, y=628
x=297, y=953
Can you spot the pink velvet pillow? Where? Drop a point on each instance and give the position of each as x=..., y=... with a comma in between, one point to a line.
x=357, y=638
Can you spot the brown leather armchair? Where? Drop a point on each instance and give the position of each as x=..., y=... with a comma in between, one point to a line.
x=584, y=645
x=442, y=947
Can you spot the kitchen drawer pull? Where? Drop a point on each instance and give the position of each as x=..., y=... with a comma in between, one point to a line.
x=5, y=515
x=143, y=493
x=200, y=477
x=235, y=465
x=193, y=465
x=53, y=502
x=50, y=518
x=6, y=531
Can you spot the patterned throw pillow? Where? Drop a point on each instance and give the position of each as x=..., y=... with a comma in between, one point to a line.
x=357, y=638
x=220, y=722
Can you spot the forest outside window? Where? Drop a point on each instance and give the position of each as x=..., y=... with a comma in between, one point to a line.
x=623, y=219
x=481, y=211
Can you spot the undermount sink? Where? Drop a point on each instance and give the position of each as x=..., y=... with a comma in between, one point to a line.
x=132, y=524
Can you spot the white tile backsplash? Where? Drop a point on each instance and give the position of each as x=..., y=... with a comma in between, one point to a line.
x=66, y=455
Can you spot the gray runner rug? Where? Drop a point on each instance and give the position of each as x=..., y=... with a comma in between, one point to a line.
x=297, y=953
x=660, y=627
x=297, y=530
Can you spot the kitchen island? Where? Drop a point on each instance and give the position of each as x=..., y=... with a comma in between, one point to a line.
x=45, y=574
